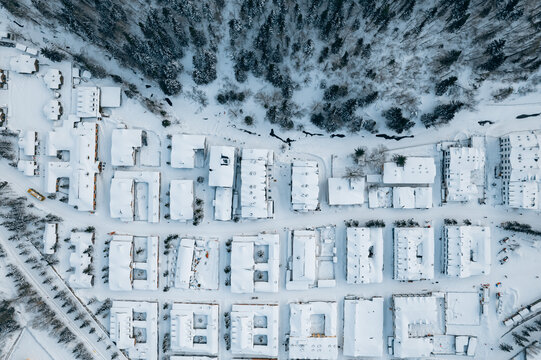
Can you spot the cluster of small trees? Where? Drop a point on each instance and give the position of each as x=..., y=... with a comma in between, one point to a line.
x=406, y=223
x=518, y=227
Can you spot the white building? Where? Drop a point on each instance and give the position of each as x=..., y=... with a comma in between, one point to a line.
x=304, y=185
x=24, y=64
x=521, y=169
x=80, y=140
x=27, y=167
x=380, y=197
x=88, y=102
x=255, y=173
x=53, y=110
x=131, y=188
x=185, y=150
x=28, y=142
x=313, y=330
x=254, y=330
x=53, y=78
x=466, y=251
x=223, y=203
x=363, y=327
x=344, y=191
x=110, y=96
x=406, y=197
x=311, y=258
x=416, y=319
x=80, y=260
x=181, y=198
x=50, y=237
x=134, y=328
x=133, y=263
x=413, y=253
x=194, y=328
x=364, y=255
x=196, y=266
x=464, y=171
x=428, y=325
x=222, y=176
x=255, y=263
x=221, y=166
x=124, y=144
x=416, y=170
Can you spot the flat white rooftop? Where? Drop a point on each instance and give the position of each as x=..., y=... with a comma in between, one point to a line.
x=254, y=330
x=363, y=327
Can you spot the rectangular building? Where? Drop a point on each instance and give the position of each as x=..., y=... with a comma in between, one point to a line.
x=194, y=328
x=255, y=173
x=255, y=263
x=466, y=251
x=363, y=327
x=364, y=255
x=413, y=253
x=304, y=185
x=520, y=169
x=254, y=330
x=313, y=330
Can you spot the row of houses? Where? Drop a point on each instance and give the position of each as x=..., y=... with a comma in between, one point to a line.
x=311, y=258
x=424, y=325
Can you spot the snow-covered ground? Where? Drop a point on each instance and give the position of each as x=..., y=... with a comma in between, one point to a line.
x=519, y=277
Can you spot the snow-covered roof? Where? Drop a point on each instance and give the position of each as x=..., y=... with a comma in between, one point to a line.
x=52, y=109
x=121, y=263
x=79, y=260
x=464, y=173
x=413, y=253
x=313, y=330
x=181, y=195
x=521, y=167
x=124, y=142
x=463, y=308
x=53, y=78
x=364, y=255
x=221, y=166
x=363, y=327
x=417, y=319
x=184, y=148
x=110, y=96
x=28, y=142
x=223, y=203
x=196, y=265
x=125, y=195
x=122, y=202
x=524, y=152
x=468, y=250
x=27, y=167
x=380, y=197
x=145, y=260
x=88, y=102
x=416, y=170
x=194, y=328
x=311, y=258
x=304, y=185
x=126, y=320
x=406, y=197
x=80, y=139
x=525, y=194
x=343, y=191
x=50, y=237
x=254, y=330
x=23, y=64
x=255, y=166
x=253, y=257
